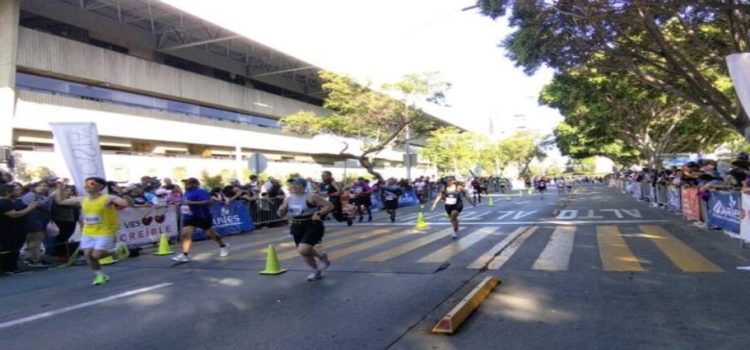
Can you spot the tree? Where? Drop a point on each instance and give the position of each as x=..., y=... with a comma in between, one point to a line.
x=374, y=118
x=605, y=109
x=452, y=150
x=521, y=148
x=586, y=141
x=676, y=47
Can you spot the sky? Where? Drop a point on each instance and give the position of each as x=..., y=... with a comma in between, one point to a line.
x=381, y=41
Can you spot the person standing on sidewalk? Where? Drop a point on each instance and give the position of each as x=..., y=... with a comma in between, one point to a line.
x=12, y=229
x=196, y=213
x=100, y=224
x=306, y=226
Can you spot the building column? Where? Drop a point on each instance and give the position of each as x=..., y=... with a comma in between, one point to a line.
x=10, y=11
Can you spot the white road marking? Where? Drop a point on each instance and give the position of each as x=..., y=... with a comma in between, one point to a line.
x=81, y=305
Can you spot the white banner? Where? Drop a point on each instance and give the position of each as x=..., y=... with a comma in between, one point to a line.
x=739, y=70
x=141, y=226
x=79, y=145
x=745, y=218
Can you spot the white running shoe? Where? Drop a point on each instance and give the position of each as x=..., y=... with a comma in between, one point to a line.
x=315, y=276
x=224, y=251
x=181, y=258
x=454, y=235
x=324, y=260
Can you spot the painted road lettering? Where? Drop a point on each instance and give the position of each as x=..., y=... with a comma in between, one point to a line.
x=571, y=214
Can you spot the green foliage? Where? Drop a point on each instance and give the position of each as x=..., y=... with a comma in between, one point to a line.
x=179, y=173
x=24, y=173
x=209, y=182
x=373, y=117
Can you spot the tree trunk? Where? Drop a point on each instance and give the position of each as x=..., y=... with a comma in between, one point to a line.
x=370, y=167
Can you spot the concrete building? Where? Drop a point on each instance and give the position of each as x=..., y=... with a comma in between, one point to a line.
x=171, y=94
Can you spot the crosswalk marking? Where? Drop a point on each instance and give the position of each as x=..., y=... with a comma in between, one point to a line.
x=407, y=247
x=340, y=241
x=239, y=252
x=458, y=246
x=686, y=259
x=476, y=215
x=487, y=256
x=365, y=245
x=556, y=255
x=614, y=251
x=501, y=259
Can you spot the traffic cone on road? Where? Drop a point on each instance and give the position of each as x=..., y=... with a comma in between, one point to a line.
x=420, y=219
x=490, y=202
x=507, y=198
x=272, y=262
x=164, y=246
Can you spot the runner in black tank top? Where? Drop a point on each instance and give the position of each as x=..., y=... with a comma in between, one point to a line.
x=452, y=194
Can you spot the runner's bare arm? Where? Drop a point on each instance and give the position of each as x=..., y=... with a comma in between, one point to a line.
x=283, y=208
x=325, y=206
x=63, y=201
x=437, y=198
x=118, y=201
x=463, y=191
x=19, y=213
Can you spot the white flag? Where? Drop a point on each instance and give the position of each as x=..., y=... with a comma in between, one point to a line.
x=79, y=145
x=739, y=71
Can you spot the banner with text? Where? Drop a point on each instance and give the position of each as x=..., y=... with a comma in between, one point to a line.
x=690, y=208
x=724, y=211
x=673, y=203
x=745, y=218
x=229, y=219
x=79, y=145
x=142, y=226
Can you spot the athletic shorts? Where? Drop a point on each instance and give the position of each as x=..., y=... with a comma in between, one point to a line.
x=307, y=232
x=457, y=207
x=362, y=201
x=390, y=204
x=203, y=224
x=542, y=188
x=97, y=242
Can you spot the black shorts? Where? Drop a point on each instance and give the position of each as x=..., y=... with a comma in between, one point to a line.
x=363, y=201
x=542, y=188
x=203, y=224
x=392, y=204
x=307, y=232
x=457, y=207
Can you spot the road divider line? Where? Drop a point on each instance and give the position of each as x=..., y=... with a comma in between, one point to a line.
x=449, y=323
x=557, y=252
x=686, y=259
x=511, y=249
x=51, y=313
x=614, y=251
x=457, y=246
x=407, y=247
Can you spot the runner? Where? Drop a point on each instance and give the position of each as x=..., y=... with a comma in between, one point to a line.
x=362, y=200
x=476, y=190
x=100, y=225
x=451, y=194
x=306, y=225
x=541, y=186
x=330, y=191
x=196, y=213
x=390, y=193
x=503, y=183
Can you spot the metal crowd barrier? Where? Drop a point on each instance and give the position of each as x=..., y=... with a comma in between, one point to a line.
x=264, y=210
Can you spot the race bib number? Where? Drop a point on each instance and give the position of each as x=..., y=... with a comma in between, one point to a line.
x=295, y=210
x=450, y=201
x=389, y=197
x=185, y=210
x=358, y=190
x=92, y=219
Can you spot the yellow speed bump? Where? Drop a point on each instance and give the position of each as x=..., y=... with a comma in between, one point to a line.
x=450, y=322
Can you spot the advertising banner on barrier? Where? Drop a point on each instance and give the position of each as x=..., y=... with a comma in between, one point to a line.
x=229, y=219
x=690, y=208
x=409, y=197
x=142, y=226
x=745, y=218
x=78, y=143
x=724, y=211
x=674, y=203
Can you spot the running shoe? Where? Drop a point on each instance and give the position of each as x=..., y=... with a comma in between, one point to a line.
x=121, y=251
x=100, y=279
x=454, y=235
x=349, y=221
x=181, y=258
x=224, y=251
x=324, y=260
x=315, y=276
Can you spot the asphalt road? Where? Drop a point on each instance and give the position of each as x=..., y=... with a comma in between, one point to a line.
x=602, y=272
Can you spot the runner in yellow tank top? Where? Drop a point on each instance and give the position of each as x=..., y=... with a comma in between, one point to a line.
x=100, y=225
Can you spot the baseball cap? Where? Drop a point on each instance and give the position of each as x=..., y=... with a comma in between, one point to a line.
x=50, y=178
x=297, y=181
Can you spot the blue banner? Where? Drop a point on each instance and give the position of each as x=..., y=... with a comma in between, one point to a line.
x=724, y=211
x=229, y=219
x=407, y=198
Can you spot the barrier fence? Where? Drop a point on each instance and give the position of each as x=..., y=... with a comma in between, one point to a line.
x=719, y=209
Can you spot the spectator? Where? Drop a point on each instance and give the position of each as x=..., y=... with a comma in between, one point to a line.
x=66, y=218
x=134, y=196
x=175, y=194
x=36, y=223
x=12, y=228
x=161, y=197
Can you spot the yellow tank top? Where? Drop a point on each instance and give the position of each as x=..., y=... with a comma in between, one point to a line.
x=99, y=219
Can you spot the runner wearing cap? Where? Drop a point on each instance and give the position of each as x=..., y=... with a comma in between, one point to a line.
x=451, y=194
x=100, y=224
x=390, y=193
x=306, y=226
x=196, y=213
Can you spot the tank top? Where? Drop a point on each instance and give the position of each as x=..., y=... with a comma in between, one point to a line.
x=452, y=197
x=99, y=219
x=300, y=207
